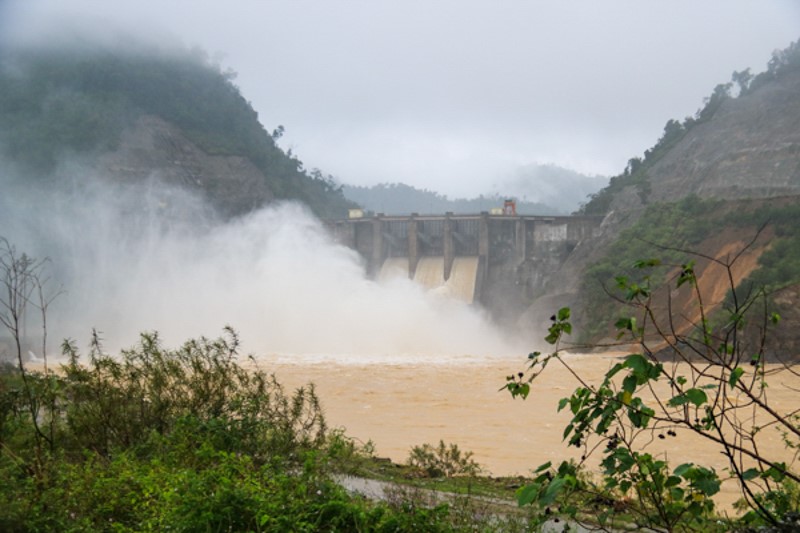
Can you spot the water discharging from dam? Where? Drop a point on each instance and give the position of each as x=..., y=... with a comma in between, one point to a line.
x=430, y=275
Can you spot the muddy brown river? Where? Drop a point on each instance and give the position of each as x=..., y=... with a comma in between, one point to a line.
x=403, y=404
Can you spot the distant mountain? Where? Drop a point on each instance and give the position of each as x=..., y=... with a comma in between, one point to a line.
x=143, y=112
x=561, y=188
x=401, y=199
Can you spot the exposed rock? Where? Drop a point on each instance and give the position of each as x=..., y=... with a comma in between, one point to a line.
x=154, y=147
x=749, y=149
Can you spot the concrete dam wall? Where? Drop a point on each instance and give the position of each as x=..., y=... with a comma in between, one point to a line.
x=501, y=261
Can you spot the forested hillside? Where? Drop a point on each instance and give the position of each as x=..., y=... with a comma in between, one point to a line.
x=82, y=103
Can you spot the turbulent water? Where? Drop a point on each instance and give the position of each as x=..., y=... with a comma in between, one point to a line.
x=429, y=274
x=142, y=257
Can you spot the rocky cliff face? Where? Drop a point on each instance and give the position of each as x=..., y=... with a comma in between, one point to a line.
x=750, y=148
x=153, y=147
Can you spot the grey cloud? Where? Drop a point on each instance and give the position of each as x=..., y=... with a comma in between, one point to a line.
x=395, y=91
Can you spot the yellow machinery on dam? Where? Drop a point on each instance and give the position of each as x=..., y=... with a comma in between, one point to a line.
x=478, y=257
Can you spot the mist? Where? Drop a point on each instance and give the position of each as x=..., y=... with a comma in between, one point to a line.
x=449, y=96
x=147, y=256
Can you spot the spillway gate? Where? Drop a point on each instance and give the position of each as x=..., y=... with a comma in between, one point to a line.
x=500, y=242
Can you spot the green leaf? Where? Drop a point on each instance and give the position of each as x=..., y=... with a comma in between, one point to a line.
x=695, y=396
x=647, y=263
x=646, y=415
x=616, y=368
x=562, y=403
x=623, y=323
x=567, y=468
x=552, y=491
x=629, y=383
x=682, y=469
x=707, y=481
x=523, y=390
x=542, y=467
x=687, y=274
x=570, y=510
x=677, y=401
x=636, y=362
x=776, y=473
x=735, y=375
x=563, y=314
x=553, y=334
x=750, y=473
x=527, y=494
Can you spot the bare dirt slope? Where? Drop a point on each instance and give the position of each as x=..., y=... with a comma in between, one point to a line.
x=727, y=259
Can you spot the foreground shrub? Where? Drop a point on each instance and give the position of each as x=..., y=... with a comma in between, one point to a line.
x=714, y=384
x=442, y=461
x=180, y=440
x=118, y=401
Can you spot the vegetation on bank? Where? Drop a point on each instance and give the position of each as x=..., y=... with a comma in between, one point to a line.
x=709, y=382
x=189, y=439
x=779, y=266
x=183, y=440
x=662, y=229
x=78, y=100
x=665, y=231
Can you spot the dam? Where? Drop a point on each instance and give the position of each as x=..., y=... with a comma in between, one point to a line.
x=476, y=257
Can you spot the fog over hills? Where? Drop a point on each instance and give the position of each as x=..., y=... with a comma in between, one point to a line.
x=537, y=190
x=561, y=188
x=168, y=136
x=163, y=203
x=133, y=110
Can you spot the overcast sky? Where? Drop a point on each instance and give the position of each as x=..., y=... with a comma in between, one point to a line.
x=456, y=95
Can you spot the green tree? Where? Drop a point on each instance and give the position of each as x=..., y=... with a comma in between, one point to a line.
x=714, y=385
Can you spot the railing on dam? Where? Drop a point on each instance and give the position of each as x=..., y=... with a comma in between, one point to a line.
x=493, y=239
